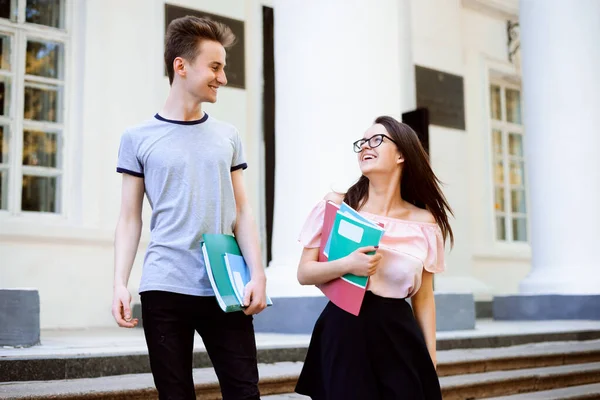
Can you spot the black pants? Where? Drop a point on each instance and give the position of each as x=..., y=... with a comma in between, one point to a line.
x=170, y=320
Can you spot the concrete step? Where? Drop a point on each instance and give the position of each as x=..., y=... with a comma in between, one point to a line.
x=275, y=379
x=534, y=355
x=285, y=396
x=584, y=392
x=503, y=383
x=280, y=378
x=49, y=368
x=488, y=340
x=464, y=355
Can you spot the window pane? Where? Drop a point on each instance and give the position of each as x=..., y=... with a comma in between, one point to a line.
x=41, y=104
x=517, y=177
x=519, y=226
x=39, y=193
x=40, y=149
x=499, y=199
x=5, y=9
x=499, y=173
x=8, y=9
x=4, y=134
x=44, y=59
x=45, y=12
x=518, y=201
x=496, y=104
x=515, y=144
x=5, y=50
x=5, y=88
x=513, y=106
x=3, y=189
x=497, y=137
x=500, y=228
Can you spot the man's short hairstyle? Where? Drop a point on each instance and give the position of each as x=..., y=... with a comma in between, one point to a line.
x=185, y=34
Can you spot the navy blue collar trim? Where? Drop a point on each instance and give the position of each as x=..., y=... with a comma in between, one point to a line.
x=172, y=121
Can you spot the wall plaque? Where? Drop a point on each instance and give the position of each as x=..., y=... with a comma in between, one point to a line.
x=442, y=94
x=235, y=68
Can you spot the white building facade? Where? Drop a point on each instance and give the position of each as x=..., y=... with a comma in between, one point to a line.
x=74, y=74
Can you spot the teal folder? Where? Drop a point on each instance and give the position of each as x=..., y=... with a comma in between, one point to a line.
x=349, y=234
x=214, y=249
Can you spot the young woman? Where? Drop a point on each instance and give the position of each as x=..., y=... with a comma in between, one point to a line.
x=388, y=351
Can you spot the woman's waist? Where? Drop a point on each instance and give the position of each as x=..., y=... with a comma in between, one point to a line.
x=370, y=295
x=377, y=306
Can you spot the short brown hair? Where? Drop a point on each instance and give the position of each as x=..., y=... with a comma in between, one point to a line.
x=185, y=34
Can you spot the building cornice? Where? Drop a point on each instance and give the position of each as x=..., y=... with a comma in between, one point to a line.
x=505, y=9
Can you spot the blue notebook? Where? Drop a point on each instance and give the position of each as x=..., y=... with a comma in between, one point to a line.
x=239, y=275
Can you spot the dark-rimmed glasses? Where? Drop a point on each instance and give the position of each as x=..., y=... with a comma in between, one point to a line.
x=373, y=141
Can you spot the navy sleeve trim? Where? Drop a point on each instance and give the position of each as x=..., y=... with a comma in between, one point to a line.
x=126, y=171
x=241, y=166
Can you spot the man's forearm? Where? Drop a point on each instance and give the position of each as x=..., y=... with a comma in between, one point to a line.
x=127, y=240
x=246, y=234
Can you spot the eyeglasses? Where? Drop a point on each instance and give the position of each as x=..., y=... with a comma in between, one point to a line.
x=373, y=141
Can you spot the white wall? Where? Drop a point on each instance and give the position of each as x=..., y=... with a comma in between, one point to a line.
x=74, y=279
x=337, y=68
x=438, y=44
x=452, y=38
x=118, y=81
x=500, y=266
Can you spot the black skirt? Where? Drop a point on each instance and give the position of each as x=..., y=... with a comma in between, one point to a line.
x=381, y=354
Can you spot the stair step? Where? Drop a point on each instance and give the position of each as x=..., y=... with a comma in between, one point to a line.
x=450, y=362
x=280, y=378
x=486, y=339
x=584, y=392
x=275, y=378
x=534, y=355
x=503, y=383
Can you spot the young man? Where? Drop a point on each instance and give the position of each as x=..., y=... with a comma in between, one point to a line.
x=190, y=167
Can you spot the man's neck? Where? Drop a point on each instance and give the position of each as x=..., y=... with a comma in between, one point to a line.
x=180, y=106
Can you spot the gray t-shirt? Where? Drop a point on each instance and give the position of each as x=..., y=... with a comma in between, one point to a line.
x=186, y=166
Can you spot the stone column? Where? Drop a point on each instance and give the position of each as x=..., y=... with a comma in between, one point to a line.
x=561, y=94
x=337, y=67
x=561, y=91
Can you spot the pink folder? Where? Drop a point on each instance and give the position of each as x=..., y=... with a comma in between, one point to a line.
x=342, y=293
x=330, y=212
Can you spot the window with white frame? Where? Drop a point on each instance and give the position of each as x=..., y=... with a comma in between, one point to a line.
x=33, y=41
x=509, y=163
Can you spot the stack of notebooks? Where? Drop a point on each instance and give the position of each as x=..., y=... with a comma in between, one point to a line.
x=227, y=271
x=344, y=231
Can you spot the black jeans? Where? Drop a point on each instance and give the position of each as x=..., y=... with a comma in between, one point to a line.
x=170, y=320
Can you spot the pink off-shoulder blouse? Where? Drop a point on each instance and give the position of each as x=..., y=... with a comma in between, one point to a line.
x=407, y=247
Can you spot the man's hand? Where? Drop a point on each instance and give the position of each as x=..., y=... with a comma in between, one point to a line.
x=255, y=296
x=121, y=308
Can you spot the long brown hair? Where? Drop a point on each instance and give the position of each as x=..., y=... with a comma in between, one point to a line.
x=418, y=185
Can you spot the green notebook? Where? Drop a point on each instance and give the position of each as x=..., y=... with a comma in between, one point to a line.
x=214, y=249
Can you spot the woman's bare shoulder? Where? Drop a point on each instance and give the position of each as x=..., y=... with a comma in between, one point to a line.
x=336, y=197
x=421, y=215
